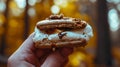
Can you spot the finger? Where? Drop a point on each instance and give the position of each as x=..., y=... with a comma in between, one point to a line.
x=39, y=52
x=28, y=43
x=26, y=53
x=29, y=50
x=24, y=48
x=32, y=60
x=28, y=47
x=56, y=59
x=20, y=64
x=65, y=52
x=53, y=60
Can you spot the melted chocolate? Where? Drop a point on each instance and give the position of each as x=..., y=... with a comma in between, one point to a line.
x=61, y=35
x=65, y=29
x=48, y=31
x=45, y=39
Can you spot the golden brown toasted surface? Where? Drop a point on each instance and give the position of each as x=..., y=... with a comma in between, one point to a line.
x=61, y=22
x=60, y=43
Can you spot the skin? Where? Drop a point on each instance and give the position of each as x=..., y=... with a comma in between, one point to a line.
x=29, y=56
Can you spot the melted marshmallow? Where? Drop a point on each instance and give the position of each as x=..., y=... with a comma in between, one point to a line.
x=85, y=33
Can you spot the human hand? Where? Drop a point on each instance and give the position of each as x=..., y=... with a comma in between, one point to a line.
x=29, y=56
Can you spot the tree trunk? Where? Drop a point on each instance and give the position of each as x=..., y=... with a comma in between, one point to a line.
x=26, y=28
x=3, y=58
x=103, y=53
x=3, y=41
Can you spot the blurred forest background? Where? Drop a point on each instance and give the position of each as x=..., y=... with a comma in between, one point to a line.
x=19, y=17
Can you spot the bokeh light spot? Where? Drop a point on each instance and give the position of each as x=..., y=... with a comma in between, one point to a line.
x=2, y=6
x=61, y=3
x=32, y=2
x=113, y=20
x=21, y=3
x=55, y=9
x=93, y=1
x=31, y=12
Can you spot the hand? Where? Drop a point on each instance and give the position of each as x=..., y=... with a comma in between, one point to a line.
x=29, y=56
